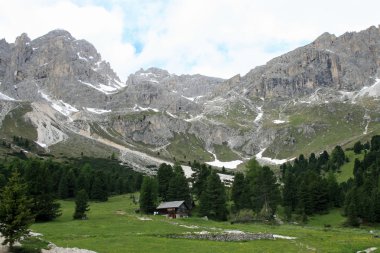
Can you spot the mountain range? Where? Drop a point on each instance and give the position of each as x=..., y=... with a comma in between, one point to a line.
x=58, y=92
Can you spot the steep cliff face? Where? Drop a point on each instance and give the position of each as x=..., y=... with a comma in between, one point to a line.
x=304, y=101
x=158, y=89
x=58, y=66
x=348, y=62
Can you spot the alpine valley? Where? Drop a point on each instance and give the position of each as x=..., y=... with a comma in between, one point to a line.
x=58, y=93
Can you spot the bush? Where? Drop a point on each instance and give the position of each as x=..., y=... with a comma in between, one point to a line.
x=244, y=216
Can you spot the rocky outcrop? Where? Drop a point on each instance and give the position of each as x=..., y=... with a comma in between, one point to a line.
x=57, y=65
x=348, y=62
x=72, y=89
x=224, y=237
x=158, y=89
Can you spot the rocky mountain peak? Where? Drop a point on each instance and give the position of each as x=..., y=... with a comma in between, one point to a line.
x=57, y=33
x=22, y=40
x=348, y=62
x=58, y=67
x=324, y=41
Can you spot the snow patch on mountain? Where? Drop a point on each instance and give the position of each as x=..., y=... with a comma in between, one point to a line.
x=152, y=80
x=195, y=118
x=101, y=87
x=97, y=111
x=227, y=165
x=5, y=97
x=192, y=99
x=171, y=115
x=278, y=121
x=226, y=179
x=147, y=74
x=187, y=170
x=138, y=108
x=43, y=145
x=60, y=106
x=80, y=57
x=259, y=115
x=268, y=160
x=372, y=91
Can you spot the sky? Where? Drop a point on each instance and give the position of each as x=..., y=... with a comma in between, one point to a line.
x=219, y=38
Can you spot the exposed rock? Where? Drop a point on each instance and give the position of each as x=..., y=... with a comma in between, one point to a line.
x=224, y=237
x=58, y=65
x=73, y=90
x=348, y=62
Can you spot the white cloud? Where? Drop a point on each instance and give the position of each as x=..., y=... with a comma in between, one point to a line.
x=213, y=37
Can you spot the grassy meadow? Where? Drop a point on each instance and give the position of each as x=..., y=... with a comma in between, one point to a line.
x=114, y=226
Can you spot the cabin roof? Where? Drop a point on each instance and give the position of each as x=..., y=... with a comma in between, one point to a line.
x=171, y=204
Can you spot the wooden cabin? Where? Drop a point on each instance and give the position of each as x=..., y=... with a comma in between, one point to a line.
x=174, y=209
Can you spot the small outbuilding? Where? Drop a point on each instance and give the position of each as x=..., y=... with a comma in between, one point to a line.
x=174, y=209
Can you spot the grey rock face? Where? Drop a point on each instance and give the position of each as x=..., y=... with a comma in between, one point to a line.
x=156, y=88
x=59, y=66
x=155, y=105
x=348, y=62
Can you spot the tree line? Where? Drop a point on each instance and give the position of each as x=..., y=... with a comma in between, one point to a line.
x=170, y=184
x=48, y=180
x=362, y=202
x=30, y=188
x=303, y=187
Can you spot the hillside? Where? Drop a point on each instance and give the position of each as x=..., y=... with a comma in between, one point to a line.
x=58, y=92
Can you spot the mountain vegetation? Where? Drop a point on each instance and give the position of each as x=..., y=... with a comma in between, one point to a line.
x=72, y=131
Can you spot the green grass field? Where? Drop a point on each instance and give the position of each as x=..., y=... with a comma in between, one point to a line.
x=347, y=170
x=114, y=227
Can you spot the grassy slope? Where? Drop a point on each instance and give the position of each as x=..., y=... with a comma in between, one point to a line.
x=15, y=124
x=237, y=116
x=348, y=168
x=108, y=231
x=78, y=144
x=333, y=218
x=224, y=153
x=187, y=147
x=333, y=124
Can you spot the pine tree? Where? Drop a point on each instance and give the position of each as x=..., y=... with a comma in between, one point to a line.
x=320, y=195
x=290, y=191
x=200, y=178
x=63, y=191
x=375, y=143
x=323, y=160
x=238, y=191
x=213, y=199
x=40, y=188
x=338, y=157
x=305, y=202
x=358, y=147
x=334, y=191
x=148, y=195
x=179, y=188
x=81, y=205
x=263, y=187
x=15, y=213
x=83, y=182
x=71, y=184
x=164, y=175
x=350, y=207
x=99, y=187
